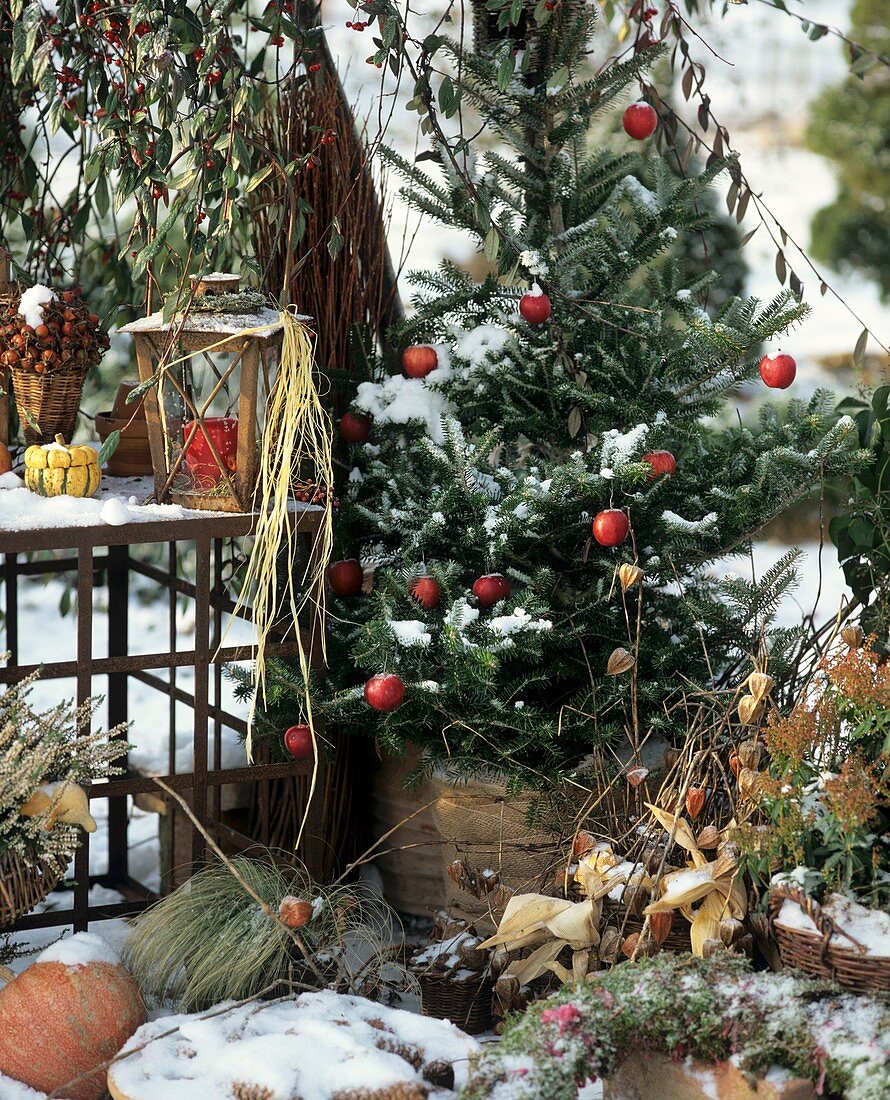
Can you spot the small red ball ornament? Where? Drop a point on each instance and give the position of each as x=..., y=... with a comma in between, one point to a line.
x=662, y=462
x=346, y=577
x=419, y=360
x=535, y=308
x=491, y=587
x=427, y=591
x=355, y=427
x=640, y=121
x=385, y=691
x=298, y=741
x=778, y=371
x=610, y=527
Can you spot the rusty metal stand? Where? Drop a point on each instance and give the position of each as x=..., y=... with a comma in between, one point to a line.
x=207, y=777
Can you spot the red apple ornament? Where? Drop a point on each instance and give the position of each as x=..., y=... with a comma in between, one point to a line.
x=419, y=360
x=427, y=591
x=298, y=741
x=662, y=462
x=491, y=587
x=640, y=121
x=355, y=427
x=778, y=371
x=535, y=306
x=610, y=527
x=385, y=691
x=346, y=577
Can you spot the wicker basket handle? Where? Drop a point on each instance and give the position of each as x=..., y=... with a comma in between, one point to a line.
x=813, y=910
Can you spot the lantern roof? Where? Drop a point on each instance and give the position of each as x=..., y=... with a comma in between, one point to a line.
x=268, y=321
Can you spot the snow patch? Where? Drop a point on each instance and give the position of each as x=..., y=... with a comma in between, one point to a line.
x=620, y=448
x=32, y=303
x=702, y=526
x=410, y=632
x=81, y=950
x=401, y=400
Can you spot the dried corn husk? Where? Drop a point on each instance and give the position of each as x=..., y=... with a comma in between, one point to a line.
x=619, y=661
x=853, y=635
x=703, y=929
x=695, y=801
x=676, y=895
x=629, y=575
x=537, y=963
x=674, y=824
x=709, y=837
x=750, y=710
x=759, y=685
x=750, y=753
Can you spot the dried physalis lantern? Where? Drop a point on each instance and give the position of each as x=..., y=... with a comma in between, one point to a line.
x=759, y=685
x=750, y=754
x=853, y=635
x=629, y=576
x=211, y=372
x=582, y=843
x=750, y=710
x=619, y=661
x=749, y=783
x=695, y=801
x=635, y=776
x=660, y=925
x=708, y=838
x=734, y=762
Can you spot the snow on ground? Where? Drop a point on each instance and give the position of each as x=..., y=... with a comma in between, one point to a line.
x=314, y=1046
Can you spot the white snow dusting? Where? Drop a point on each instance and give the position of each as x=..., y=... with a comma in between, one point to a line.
x=32, y=303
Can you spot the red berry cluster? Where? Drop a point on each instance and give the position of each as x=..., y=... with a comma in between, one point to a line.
x=356, y=26
x=69, y=336
x=307, y=492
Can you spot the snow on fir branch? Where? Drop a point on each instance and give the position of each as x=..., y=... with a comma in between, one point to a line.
x=42, y=749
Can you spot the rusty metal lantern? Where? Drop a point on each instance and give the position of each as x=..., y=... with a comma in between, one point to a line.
x=215, y=371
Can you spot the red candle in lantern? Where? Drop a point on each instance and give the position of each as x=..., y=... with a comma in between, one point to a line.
x=223, y=430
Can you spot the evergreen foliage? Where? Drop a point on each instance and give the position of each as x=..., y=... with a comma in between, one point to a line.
x=849, y=125
x=499, y=459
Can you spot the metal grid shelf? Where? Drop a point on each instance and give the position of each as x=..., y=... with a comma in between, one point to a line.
x=207, y=532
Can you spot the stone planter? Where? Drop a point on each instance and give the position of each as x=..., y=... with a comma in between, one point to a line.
x=643, y=1077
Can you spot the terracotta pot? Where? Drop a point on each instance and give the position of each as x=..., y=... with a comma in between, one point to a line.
x=133, y=456
x=121, y=410
x=643, y=1076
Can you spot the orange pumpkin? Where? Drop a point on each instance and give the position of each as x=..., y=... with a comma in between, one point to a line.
x=5, y=459
x=58, y=1022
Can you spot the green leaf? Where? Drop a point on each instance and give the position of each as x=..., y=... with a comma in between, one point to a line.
x=491, y=245
x=859, y=350
x=257, y=178
x=446, y=94
x=505, y=72
x=109, y=446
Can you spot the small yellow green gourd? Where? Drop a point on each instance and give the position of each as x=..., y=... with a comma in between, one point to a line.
x=60, y=470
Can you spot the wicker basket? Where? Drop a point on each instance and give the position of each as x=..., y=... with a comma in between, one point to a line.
x=821, y=954
x=23, y=884
x=51, y=398
x=677, y=939
x=466, y=1004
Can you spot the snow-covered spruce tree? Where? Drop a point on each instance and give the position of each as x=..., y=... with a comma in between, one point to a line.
x=500, y=458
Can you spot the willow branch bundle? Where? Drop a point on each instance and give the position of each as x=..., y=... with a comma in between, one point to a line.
x=296, y=436
x=339, y=272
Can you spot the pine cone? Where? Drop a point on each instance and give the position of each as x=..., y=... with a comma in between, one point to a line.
x=400, y=1090
x=242, y=1091
x=408, y=1053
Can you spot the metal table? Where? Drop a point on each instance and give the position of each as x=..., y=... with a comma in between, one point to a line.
x=208, y=531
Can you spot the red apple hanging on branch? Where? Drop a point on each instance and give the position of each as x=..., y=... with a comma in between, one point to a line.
x=419, y=360
x=535, y=306
x=385, y=691
x=490, y=588
x=640, y=120
x=355, y=427
x=427, y=591
x=662, y=463
x=778, y=371
x=346, y=577
x=298, y=741
x=610, y=527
